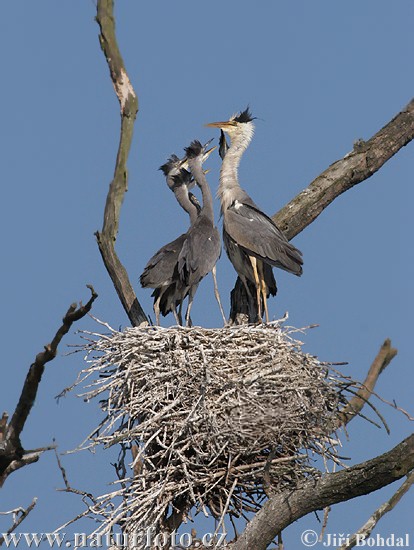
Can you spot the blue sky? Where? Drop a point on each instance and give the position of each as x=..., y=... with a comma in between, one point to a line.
x=318, y=75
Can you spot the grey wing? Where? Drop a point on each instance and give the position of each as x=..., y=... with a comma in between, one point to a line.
x=241, y=263
x=199, y=254
x=259, y=236
x=160, y=268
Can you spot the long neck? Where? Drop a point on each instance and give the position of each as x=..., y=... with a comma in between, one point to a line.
x=181, y=194
x=197, y=171
x=229, y=180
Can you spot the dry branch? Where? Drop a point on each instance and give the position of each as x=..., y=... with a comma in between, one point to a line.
x=382, y=360
x=288, y=506
x=129, y=108
x=12, y=455
x=19, y=514
x=355, y=167
x=369, y=526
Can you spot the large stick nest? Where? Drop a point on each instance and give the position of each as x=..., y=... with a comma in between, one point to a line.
x=217, y=418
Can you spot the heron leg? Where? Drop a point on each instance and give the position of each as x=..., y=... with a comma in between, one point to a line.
x=180, y=313
x=253, y=261
x=176, y=317
x=157, y=310
x=217, y=295
x=188, y=322
x=263, y=288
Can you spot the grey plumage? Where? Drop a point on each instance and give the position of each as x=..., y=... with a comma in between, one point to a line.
x=201, y=248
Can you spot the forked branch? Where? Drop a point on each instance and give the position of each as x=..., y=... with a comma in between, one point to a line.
x=12, y=455
x=18, y=515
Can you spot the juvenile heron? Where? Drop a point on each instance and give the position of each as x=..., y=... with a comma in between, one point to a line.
x=160, y=272
x=252, y=240
x=202, y=247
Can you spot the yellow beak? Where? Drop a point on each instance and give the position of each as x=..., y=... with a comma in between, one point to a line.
x=223, y=125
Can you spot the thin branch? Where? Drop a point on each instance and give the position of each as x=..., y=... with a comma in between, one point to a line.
x=68, y=489
x=36, y=370
x=12, y=454
x=365, y=531
x=284, y=508
x=380, y=363
x=19, y=514
x=128, y=101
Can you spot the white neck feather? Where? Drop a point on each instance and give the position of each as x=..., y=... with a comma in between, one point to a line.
x=240, y=140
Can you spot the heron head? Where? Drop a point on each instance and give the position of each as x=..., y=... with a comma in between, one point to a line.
x=239, y=124
x=171, y=166
x=197, y=151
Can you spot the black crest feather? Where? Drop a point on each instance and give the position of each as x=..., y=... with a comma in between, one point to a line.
x=244, y=116
x=169, y=165
x=223, y=145
x=194, y=149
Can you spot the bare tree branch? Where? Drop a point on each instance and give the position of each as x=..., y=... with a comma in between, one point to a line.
x=370, y=525
x=284, y=508
x=12, y=455
x=366, y=159
x=384, y=357
x=129, y=108
x=19, y=514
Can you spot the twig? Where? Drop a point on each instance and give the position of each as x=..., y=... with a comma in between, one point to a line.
x=380, y=363
x=19, y=514
x=326, y=511
x=129, y=108
x=369, y=526
x=69, y=489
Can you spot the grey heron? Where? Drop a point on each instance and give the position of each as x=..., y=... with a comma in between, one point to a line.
x=202, y=247
x=240, y=260
x=160, y=271
x=252, y=240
